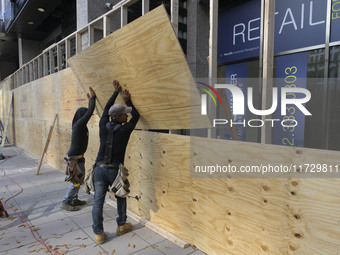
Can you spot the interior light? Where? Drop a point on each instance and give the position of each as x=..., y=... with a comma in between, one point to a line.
x=41, y=9
x=30, y=22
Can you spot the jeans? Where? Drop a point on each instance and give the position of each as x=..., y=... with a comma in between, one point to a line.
x=72, y=192
x=103, y=178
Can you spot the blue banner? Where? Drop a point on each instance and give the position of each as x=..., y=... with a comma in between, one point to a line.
x=291, y=72
x=239, y=32
x=298, y=24
x=335, y=17
x=236, y=75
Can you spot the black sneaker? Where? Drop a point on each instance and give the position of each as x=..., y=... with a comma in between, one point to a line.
x=78, y=202
x=66, y=206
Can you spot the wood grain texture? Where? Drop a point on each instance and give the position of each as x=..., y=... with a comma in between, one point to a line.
x=6, y=99
x=45, y=97
x=293, y=215
x=146, y=58
x=161, y=163
x=72, y=95
x=234, y=216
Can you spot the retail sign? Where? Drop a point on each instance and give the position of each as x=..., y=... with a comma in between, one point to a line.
x=298, y=24
x=239, y=32
x=291, y=71
x=335, y=18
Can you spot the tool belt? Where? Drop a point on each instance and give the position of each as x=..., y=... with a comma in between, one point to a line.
x=73, y=171
x=121, y=185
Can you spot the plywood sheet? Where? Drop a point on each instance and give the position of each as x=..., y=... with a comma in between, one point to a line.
x=6, y=99
x=36, y=141
x=45, y=97
x=72, y=95
x=146, y=58
x=21, y=137
x=235, y=216
x=161, y=163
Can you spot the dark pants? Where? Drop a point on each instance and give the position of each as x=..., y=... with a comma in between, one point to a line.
x=103, y=178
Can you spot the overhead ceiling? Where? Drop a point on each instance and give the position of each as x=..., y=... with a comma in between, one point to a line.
x=28, y=23
x=32, y=23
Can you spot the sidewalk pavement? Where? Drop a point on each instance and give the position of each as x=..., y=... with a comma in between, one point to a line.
x=66, y=232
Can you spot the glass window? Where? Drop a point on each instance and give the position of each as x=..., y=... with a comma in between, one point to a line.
x=333, y=107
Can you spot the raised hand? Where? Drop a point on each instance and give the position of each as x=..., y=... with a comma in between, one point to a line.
x=116, y=85
x=126, y=95
x=92, y=93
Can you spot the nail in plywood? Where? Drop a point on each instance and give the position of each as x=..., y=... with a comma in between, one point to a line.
x=146, y=58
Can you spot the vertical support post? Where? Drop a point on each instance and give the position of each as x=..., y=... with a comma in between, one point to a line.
x=34, y=75
x=78, y=42
x=213, y=19
x=145, y=6
x=326, y=103
x=59, y=57
x=123, y=16
x=106, y=26
x=90, y=36
x=22, y=74
x=51, y=62
x=30, y=72
x=67, y=51
x=20, y=51
x=40, y=66
x=45, y=64
x=25, y=74
x=268, y=66
x=174, y=15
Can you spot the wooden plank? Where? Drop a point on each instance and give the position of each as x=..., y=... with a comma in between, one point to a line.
x=268, y=67
x=47, y=143
x=123, y=16
x=213, y=32
x=174, y=15
x=145, y=6
x=5, y=131
x=154, y=70
x=106, y=26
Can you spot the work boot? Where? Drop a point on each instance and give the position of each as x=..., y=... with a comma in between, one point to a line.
x=121, y=230
x=78, y=202
x=68, y=207
x=100, y=238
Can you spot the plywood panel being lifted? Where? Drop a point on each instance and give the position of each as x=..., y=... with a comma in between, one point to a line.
x=146, y=58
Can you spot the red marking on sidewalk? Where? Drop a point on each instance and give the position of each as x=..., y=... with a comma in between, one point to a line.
x=80, y=99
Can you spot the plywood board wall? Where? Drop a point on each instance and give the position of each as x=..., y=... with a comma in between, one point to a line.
x=219, y=215
x=146, y=58
x=234, y=216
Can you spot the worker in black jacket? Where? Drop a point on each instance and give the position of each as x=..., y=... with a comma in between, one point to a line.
x=114, y=136
x=75, y=155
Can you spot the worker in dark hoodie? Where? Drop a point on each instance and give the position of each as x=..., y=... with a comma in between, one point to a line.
x=75, y=170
